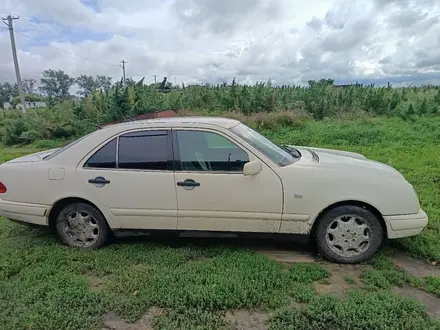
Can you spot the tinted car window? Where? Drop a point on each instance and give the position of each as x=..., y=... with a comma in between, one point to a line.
x=105, y=157
x=143, y=150
x=207, y=151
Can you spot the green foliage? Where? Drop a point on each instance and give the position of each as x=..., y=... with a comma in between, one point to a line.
x=385, y=276
x=321, y=99
x=6, y=93
x=429, y=284
x=350, y=280
x=361, y=310
x=433, y=285
x=189, y=319
x=37, y=124
x=89, y=84
x=307, y=272
x=56, y=84
x=41, y=279
x=384, y=279
x=302, y=292
x=29, y=88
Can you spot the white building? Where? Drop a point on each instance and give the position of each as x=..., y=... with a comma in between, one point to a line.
x=30, y=105
x=7, y=106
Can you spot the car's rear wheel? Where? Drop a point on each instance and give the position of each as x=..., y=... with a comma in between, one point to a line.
x=349, y=234
x=82, y=225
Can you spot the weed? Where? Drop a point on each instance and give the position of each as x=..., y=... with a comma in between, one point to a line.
x=429, y=284
x=384, y=279
x=307, y=272
x=386, y=275
x=350, y=280
x=361, y=310
x=302, y=292
x=189, y=319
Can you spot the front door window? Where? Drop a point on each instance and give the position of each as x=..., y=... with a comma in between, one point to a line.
x=202, y=151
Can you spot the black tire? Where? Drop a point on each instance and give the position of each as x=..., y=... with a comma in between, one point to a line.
x=101, y=228
x=323, y=239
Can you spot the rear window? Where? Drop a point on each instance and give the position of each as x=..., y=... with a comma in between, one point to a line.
x=61, y=150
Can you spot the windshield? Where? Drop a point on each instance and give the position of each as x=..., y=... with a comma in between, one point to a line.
x=265, y=146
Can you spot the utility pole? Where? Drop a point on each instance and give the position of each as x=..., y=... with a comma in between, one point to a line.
x=14, y=55
x=123, y=70
x=155, y=79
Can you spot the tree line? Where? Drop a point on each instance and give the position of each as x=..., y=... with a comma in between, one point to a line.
x=55, y=85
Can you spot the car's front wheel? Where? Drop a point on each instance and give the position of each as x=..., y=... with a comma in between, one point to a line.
x=349, y=234
x=82, y=225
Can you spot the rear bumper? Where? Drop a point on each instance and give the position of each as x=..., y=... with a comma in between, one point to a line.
x=406, y=225
x=24, y=212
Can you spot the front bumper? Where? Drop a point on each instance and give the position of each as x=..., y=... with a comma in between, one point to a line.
x=24, y=212
x=406, y=225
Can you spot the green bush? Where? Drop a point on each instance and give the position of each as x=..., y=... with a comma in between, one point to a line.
x=261, y=106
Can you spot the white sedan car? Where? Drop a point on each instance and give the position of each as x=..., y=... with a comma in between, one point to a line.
x=212, y=175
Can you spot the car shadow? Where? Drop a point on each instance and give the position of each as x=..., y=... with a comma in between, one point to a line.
x=209, y=240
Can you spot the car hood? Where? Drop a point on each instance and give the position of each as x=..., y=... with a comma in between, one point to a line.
x=35, y=157
x=347, y=162
x=333, y=152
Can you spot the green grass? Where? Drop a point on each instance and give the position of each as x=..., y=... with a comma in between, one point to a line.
x=190, y=319
x=350, y=280
x=40, y=280
x=386, y=275
x=14, y=152
x=44, y=285
x=303, y=293
x=308, y=272
x=361, y=310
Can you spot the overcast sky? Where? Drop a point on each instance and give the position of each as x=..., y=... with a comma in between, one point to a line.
x=287, y=41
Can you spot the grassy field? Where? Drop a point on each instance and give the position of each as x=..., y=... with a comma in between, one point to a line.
x=187, y=284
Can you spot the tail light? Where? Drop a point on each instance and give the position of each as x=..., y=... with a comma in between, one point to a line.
x=2, y=188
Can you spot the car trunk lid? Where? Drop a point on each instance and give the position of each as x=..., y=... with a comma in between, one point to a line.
x=31, y=158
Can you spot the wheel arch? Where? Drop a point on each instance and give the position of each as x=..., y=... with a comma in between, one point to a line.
x=63, y=202
x=362, y=204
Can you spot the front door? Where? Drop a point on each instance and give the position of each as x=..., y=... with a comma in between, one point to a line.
x=133, y=178
x=212, y=192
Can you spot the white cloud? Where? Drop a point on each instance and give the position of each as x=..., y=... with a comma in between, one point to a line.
x=287, y=41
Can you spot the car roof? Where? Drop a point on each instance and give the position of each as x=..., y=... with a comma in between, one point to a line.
x=175, y=121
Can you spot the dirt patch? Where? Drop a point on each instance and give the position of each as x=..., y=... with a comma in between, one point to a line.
x=247, y=320
x=415, y=267
x=95, y=283
x=338, y=284
x=114, y=322
x=286, y=256
x=431, y=302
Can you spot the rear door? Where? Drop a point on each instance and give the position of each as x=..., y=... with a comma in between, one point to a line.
x=212, y=192
x=132, y=175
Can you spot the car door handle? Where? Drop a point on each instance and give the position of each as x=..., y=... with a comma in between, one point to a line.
x=99, y=180
x=188, y=183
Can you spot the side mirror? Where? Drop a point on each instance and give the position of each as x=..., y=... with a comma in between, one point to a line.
x=253, y=167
